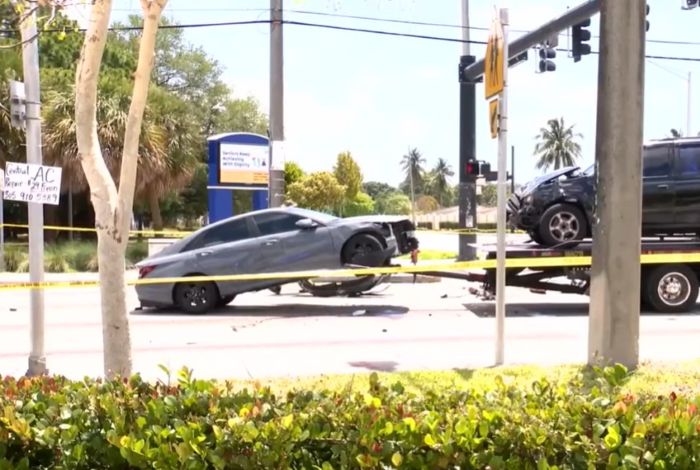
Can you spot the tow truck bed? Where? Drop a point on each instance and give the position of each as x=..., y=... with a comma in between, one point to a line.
x=665, y=287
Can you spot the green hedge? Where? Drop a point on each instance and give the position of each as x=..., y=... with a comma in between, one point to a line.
x=80, y=256
x=588, y=423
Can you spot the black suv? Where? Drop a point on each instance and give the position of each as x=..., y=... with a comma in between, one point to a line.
x=557, y=209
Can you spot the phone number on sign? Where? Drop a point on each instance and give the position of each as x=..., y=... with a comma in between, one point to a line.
x=11, y=195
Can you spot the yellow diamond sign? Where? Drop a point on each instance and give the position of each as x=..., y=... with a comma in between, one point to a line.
x=493, y=62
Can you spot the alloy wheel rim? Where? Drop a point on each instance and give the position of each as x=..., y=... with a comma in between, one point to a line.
x=564, y=226
x=674, y=289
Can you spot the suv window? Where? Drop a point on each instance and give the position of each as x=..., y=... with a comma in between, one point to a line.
x=233, y=231
x=689, y=161
x=656, y=162
x=271, y=223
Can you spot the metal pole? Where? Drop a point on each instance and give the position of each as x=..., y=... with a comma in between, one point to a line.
x=526, y=41
x=512, y=169
x=467, y=146
x=615, y=273
x=501, y=201
x=276, y=184
x=413, y=192
x=30, y=62
x=688, y=131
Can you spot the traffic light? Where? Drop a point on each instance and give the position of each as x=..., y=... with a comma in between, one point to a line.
x=477, y=168
x=18, y=101
x=473, y=168
x=546, y=54
x=580, y=37
x=647, y=21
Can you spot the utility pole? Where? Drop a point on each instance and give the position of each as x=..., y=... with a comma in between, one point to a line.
x=30, y=63
x=467, y=145
x=615, y=271
x=276, y=185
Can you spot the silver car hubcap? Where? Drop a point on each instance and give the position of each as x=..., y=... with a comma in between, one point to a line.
x=674, y=289
x=564, y=226
x=196, y=295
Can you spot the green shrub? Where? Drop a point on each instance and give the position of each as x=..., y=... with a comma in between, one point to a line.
x=588, y=422
x=81, y=256
x=16, y=258
x=136, y=251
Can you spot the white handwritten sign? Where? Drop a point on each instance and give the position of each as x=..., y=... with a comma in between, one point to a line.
x=32, y=183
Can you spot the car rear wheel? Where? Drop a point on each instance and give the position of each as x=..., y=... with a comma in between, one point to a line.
x=196, y=297
x=363, y=250
x=562, y=225
x=671, y=289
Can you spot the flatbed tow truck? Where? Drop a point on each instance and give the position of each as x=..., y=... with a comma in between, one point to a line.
x=668, y=284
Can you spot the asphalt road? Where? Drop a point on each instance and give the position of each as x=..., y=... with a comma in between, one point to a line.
x=402, y=327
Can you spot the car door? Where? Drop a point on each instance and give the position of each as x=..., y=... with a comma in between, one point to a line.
x=658, y=191
x=289, y=248
x=687, y=182
x=227, y=248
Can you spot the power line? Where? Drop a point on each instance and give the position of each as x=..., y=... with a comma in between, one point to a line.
x=326, y=26
x=378, y=31
x=402, y=21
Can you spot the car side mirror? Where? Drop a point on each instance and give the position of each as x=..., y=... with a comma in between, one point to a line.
x=306, y=224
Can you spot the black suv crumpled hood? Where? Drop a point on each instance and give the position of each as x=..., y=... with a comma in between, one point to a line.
x=540, y=180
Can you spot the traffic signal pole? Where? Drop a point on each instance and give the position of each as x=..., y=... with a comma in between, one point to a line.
x=467, y=145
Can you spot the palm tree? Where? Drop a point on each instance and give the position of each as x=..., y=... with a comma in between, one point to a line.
x=439, y=186
x=161, y=169
x=557, y=146
x=412, y=163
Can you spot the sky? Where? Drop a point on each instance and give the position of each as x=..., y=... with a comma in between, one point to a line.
x=378, y=96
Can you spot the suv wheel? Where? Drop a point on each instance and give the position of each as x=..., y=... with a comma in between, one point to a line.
x=562, y=225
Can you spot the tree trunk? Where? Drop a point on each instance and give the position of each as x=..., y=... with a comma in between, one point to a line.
x=113, y=209
x=154, y=205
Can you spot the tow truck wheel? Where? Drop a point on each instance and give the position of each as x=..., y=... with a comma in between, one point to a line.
x=562, y=225
x=671, y=289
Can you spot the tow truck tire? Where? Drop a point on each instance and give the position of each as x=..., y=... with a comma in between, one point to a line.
x=560, y=223
x=671, y=288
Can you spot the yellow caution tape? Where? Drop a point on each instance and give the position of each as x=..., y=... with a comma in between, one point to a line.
x=536, y=262
x=92, y=230
x=183, y=233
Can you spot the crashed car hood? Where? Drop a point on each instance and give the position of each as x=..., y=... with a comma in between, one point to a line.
x=540, y=180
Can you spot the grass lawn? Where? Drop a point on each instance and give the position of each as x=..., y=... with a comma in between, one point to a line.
x=648, y=379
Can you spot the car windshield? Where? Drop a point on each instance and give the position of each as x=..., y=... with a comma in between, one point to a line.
x=590, y=171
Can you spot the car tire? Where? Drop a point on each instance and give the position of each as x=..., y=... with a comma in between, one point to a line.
x=196, y=297
x=535, y=237
x=224, y=301
x=563, y=226
x=671, y=288
x=362, y=249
